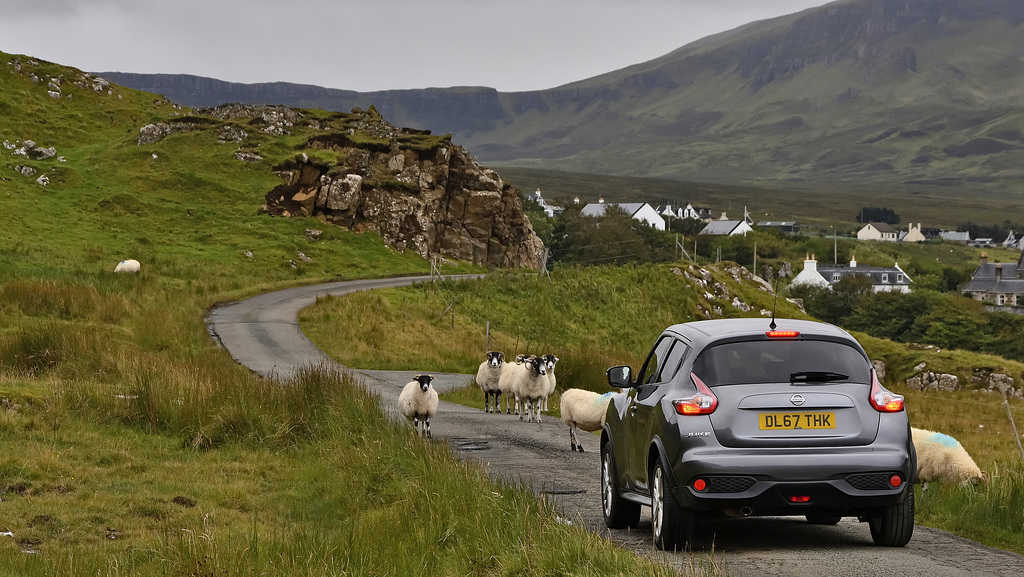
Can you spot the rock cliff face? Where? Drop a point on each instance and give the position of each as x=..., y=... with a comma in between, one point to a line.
x=418, y=191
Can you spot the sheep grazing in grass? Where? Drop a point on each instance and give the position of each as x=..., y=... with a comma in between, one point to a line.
x=418, y=402
x=550, y=361
x=530, y=387
x=942, y=458
x=584, y=410
x=487, y=378
x=509, y=373
x=130, y=265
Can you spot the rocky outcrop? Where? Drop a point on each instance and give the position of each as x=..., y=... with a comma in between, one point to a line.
x=419, y=192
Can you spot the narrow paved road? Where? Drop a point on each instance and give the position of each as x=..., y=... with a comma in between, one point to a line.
x=262, y=333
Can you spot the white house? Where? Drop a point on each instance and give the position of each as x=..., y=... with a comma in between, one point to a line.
x=549, y=209
x=883, y=279
x=698, y=213
x=914, y=234
x=638, y=210
x=878, y=231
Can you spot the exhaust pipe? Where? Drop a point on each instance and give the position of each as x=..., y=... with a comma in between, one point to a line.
x=744, y=512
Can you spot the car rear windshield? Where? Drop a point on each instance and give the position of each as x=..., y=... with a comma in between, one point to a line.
x=781, y=361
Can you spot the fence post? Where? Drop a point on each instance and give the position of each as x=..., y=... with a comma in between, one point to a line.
x=1016, y=436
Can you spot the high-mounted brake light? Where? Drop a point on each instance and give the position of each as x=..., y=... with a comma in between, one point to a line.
x=782, y=334
x=882, y=399
x=703, y=403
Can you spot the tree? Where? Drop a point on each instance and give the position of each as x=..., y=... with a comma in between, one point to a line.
x=878, y=214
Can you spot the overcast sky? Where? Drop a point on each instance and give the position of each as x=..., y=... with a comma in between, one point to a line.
x=368, y=45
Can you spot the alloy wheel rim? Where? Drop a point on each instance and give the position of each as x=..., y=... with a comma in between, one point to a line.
x=606, y=486
x=657, y=506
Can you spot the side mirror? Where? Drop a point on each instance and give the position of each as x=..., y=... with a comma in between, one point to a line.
x=618, y=377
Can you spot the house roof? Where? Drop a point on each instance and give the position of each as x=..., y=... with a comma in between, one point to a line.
x=955, y=235
x=875, y=272
x=599, y=208
x=720, y=227
x=882, y=227
x=984, y=278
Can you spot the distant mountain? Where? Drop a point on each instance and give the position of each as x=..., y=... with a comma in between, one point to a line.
x=857, y=94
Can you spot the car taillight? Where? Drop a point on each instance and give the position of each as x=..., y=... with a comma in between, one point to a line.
x=703, y=403
x=782, y=334
x=883, y=400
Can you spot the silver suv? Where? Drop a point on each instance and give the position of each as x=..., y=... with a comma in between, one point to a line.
x=739, y=417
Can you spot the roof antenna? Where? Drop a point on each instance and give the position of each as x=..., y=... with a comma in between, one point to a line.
x=772, y=325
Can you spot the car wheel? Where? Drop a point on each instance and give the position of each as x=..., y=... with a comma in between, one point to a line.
x=618, y=512
x=894, y=525
x=822, y=519
x=671, y=524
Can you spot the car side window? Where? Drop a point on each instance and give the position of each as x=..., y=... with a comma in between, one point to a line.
x=655, y=361
x=672, y=361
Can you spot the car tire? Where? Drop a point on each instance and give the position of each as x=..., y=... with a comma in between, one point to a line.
x=893, y=526
x=618, y=513
x=673, y=526
x=823, y=519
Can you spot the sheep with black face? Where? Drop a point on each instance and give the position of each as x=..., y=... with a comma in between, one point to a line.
x=418, y=402
x=487, y=377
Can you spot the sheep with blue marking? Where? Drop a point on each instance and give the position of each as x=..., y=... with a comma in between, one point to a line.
x=585, y=410
x=942, y=458
x=487, y=377
x=131, y=265
x=418, y=402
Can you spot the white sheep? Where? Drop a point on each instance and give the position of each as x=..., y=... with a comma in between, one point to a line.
x=530, y=387
x=509, y=372
x=942, y=458
x=418, y=401
x=487, y=378
x=552, y=383
x=130, y=265
x=585, y=410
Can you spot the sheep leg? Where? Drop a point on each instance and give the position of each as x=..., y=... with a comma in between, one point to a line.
x=497, y=402
x=416, y=424
x=572, y=438
x=426, y=422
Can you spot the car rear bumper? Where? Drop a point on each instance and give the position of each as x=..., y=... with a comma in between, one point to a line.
x=793, y=483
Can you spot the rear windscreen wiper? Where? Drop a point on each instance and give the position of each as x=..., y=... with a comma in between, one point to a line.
x=816, y=377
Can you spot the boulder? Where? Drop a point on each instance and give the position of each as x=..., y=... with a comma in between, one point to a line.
x=934, y=381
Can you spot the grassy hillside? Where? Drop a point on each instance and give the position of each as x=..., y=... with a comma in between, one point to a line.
x=130, y=444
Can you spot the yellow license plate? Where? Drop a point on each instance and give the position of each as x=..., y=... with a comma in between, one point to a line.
x=792, y=421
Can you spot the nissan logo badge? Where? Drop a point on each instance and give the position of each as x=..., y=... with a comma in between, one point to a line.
x=797, y=399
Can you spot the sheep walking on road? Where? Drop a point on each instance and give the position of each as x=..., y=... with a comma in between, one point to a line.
x=130, y=265
x=418, y=402
x=942, y=458
x=487, y=377
x=530, y=387
x=584, y=410
x=509, y=373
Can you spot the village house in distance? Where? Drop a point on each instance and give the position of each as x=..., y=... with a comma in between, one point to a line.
x=1000, y=283
x=883, y=279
